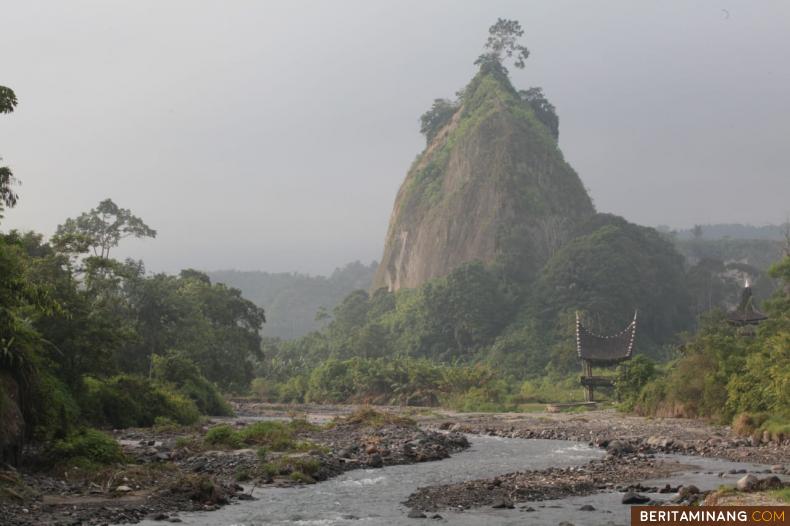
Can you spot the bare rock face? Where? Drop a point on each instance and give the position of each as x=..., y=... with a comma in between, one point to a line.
x=491, y=186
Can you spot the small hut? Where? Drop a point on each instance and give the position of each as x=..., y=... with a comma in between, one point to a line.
x=746, y=316
x=601, y=351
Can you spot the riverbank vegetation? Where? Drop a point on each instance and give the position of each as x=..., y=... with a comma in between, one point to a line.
x=728, y=375
x=89, y=340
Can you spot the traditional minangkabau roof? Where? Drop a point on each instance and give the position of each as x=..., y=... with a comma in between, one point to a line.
x=605, y=350
x=747, y=312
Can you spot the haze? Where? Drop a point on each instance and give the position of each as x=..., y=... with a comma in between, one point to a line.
x=274, y=135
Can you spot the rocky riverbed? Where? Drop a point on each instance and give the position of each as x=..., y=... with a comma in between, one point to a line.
x=172, y=470
x=637, y=434
x=504, y=491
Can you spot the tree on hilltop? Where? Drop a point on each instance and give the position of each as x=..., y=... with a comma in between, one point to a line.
x=503, y=43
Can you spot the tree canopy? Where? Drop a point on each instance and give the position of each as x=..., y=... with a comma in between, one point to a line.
x=100, y=230
x=502, y=43
x=8, y=197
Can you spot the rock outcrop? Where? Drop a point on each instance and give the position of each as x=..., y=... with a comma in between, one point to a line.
x=492, y=185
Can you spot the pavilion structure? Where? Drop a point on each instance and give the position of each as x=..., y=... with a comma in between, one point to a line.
x=746, y=316
x=602, y=351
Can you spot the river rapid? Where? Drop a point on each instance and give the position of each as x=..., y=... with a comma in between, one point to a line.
x=374, y=496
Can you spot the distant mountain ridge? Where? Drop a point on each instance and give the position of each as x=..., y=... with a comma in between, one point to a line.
x=731, y=230
x=292, y=300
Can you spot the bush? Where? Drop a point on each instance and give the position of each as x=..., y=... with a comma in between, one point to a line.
x=269, y=435
x=631, y=379
x=759, y=425
x=128, y=401
x=372, y=418
x=299, y=468
x=223, y=435
x=87, y=446
x=54, y=410
x=183, y=376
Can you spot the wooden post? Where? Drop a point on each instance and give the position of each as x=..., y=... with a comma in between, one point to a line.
x=589, y=394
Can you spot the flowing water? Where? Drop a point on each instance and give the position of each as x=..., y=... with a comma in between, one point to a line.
x=374, y=496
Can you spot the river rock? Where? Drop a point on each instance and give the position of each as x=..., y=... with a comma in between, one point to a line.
x=767, y=483
x=778, y=468
x=685, y=492
x=416, y=514
x=123, y=489
x=634, y=498
x=619, y=447
x=746, y=483
x=587, y=507
x=503, y=502
x=656, y=441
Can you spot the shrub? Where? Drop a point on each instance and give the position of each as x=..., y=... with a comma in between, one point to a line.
x=54, y=410
x=370, y=417
x=631, y=379
x=223, y=435
x=268, y=436
x=128, y=401
x=87, y=446
x=183, y=376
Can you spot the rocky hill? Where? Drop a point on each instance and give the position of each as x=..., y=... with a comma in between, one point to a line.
x=491, y=185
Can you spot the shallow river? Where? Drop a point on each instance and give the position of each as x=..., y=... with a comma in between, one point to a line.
x=374, y=496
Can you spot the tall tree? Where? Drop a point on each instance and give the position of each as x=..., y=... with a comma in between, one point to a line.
x=8, y=197
x=503, y=43
x=100, y=230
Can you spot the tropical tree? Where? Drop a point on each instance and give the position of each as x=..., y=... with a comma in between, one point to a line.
x=100, y=230
x=8, y=197
x=436, y=118
x=503, y=43
x=543, y=109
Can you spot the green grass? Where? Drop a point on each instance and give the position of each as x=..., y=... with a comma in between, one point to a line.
x=86, y=449
x=267, y=436
x=781, y=494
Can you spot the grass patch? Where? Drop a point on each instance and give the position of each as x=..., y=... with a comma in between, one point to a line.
x=758, y=424
x=268, y=436
x=298, y=476
x=298, y=468
x=781, y=494
x=223, y=435
x=368, y=416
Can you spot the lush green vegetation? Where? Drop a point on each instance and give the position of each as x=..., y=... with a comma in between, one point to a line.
x=85, y=448
x=267, y=436
x=724, y=374
x=500, y=335
x=86, y=339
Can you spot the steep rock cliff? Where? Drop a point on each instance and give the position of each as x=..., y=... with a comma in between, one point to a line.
x=492, y=185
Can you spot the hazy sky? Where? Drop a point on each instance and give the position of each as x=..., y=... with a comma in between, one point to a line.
x=274, y=135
